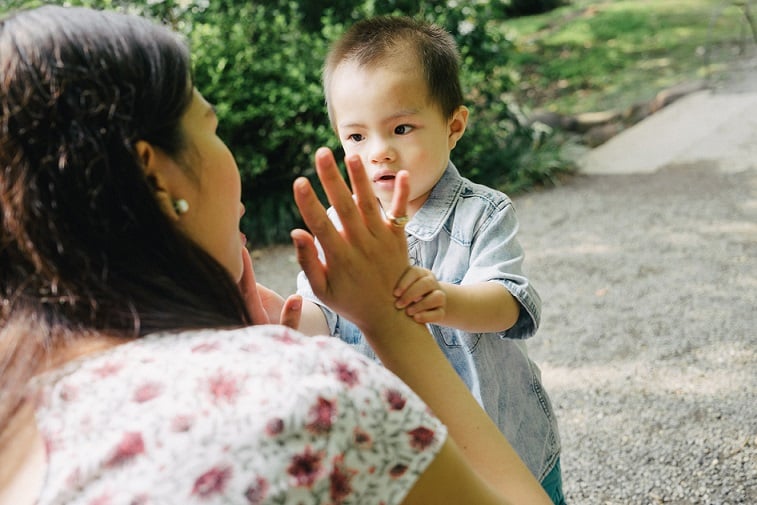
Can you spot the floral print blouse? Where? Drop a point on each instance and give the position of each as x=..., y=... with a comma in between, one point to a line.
x=259, y=415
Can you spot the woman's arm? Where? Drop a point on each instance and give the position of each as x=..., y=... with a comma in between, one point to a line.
x=450, y=479
x=363, y=264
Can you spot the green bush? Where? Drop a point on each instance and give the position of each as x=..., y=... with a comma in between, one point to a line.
x=529, y=7
x=259, y=62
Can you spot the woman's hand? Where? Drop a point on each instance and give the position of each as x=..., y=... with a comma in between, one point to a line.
x=265, y=305
x=365, y=260
x=364, y=263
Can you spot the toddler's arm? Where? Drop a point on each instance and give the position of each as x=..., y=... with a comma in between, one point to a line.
x=478, y=308
x=309, y=319
x=266, y=306
x=313, y=321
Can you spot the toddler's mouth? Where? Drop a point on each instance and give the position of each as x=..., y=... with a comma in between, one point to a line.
x=384, y=176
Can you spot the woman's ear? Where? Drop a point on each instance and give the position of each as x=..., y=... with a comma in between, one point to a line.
x=456, y=126
x=155, y=168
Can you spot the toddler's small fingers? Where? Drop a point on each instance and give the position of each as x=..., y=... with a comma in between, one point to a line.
x=291, y=313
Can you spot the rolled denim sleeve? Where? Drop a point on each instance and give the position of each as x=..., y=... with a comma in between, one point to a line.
x=496, y=255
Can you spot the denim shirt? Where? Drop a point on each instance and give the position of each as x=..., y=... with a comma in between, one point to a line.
x=465, y=233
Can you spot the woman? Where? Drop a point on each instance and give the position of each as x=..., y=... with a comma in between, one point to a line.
x=129, y=369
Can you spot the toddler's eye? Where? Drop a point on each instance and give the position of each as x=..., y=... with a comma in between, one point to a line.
x=403, y=129
x=355, y=137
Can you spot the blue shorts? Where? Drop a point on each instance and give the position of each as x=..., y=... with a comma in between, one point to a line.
x=552, y=484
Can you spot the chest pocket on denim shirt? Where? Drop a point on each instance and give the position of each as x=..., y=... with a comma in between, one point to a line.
x=449, y=337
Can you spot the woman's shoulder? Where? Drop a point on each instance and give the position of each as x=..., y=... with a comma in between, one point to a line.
x=257, y=350
x=250, y=410
x=244, y=368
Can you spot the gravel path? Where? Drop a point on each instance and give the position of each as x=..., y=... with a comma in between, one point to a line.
x=648, y=345
x=648, y=340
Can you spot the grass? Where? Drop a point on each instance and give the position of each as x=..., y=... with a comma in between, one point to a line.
x=599, y=55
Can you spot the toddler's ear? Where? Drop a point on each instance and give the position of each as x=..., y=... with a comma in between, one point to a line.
x=152, y=164
x=456, y=126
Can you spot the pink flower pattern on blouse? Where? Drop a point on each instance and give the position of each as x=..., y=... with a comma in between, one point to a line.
x=254, y=416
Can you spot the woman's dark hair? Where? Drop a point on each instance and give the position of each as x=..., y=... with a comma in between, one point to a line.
x=85, y=247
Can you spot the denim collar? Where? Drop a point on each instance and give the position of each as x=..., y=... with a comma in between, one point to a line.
x=432, y=215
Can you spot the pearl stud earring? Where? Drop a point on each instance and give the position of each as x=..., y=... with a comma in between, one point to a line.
x=181, y=206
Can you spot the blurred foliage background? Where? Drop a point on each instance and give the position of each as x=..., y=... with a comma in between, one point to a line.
x=259, y=62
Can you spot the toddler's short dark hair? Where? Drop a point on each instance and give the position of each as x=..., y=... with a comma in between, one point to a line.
x=372, y=40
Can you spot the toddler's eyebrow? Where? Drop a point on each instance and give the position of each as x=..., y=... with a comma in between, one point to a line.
x=403, y=113
x=393, y=117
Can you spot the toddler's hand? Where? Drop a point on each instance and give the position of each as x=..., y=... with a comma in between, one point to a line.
x=265, y=305
x=278, y=310
x=421, y=295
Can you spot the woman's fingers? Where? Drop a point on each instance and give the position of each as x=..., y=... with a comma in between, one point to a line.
x=363, y=261
x=337, y=191
x=401, y=194
x=249, y=290
x=307, y=257
x=368, y=206
x=312, y=211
